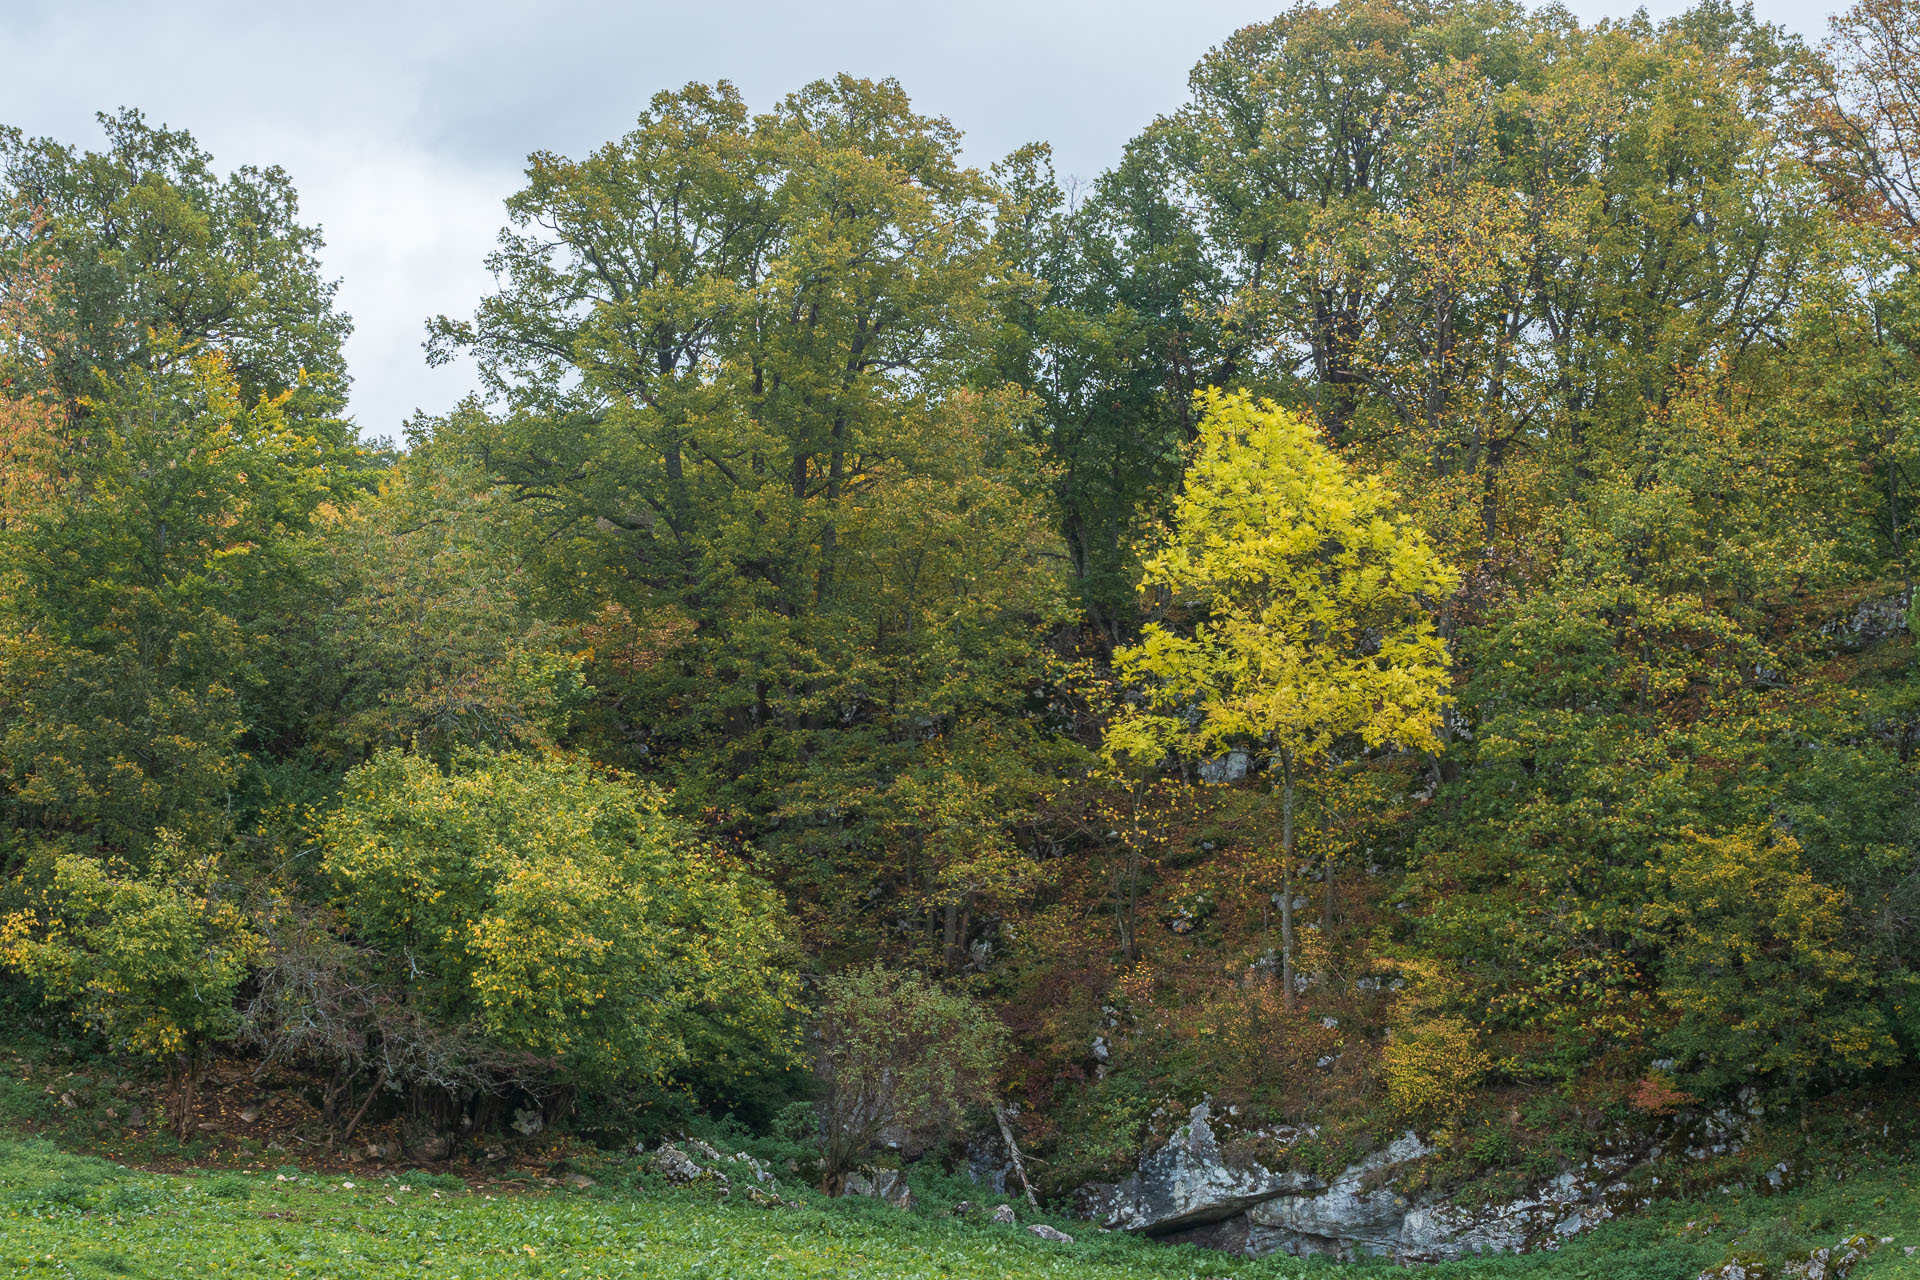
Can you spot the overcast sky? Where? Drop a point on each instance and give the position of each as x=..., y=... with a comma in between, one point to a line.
x=404, y=124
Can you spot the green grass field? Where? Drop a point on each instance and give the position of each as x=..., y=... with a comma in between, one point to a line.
x=64, y=1215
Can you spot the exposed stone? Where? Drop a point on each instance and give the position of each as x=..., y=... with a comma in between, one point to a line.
x=1869, y=623
x=1054, y=1234
x=768, y=1200
x=1230, y=767
x=987, y=1162
x=1003, y=1214
x=1187, y=1191
x=1822, y=1264
x=429, y=1146
x=1189, y=1183
x=675, y=1165
x=889, y=1185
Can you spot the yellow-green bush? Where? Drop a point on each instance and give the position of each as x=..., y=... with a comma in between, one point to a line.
x=561, y=911
x=1432, y=1068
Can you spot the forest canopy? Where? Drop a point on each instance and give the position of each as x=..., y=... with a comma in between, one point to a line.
x=1392, y=600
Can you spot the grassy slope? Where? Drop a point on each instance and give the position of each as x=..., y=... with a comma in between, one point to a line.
x=64, y=1215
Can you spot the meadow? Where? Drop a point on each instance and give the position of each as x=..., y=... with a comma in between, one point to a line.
x=78, y=1216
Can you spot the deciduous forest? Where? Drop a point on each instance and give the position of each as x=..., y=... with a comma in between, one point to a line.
x=1388, y=610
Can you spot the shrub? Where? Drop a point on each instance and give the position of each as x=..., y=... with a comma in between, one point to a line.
x=898, y=1051
x=560, y=911
x=1432, y=1069
x=151, y=960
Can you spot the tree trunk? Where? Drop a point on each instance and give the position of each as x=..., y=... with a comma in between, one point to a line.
x=1127, y=905
x=1286, y=879
x=1013, y=1153
x=379, y=1082
x=1326, y=866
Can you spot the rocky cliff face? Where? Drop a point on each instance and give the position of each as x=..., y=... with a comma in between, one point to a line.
x=1201, y=1188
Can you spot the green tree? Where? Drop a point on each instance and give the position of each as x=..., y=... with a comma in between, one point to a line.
x=730, y=355
x=152, y=960
x=162, y=259
x=418, y=626
x=1310, y=598
x=141, y=597
x=1118, y=332
x=1757, y=965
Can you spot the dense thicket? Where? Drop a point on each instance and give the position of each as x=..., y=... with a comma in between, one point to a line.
x=1461, y=461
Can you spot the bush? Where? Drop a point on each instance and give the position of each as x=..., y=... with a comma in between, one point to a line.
x=1432, y=1069
x=560, y=911
x=150, y=960
x=900, y=1052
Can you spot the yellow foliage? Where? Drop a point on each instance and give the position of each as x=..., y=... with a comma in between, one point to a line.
x=1432, y=1068
x=1311, y=594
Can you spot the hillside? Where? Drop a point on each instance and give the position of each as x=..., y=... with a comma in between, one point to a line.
x=1349, y=687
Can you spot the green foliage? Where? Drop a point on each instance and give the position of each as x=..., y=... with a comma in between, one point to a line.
x=743, y=459
x=161, y=259
x=141, y=599
x=150, y=960
x=1511, y=423
x=561, y=911
x=1759, y=966
x=899, y=1052
x=420, y=628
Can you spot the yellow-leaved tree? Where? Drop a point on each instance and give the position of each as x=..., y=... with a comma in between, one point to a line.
x=1310, y=598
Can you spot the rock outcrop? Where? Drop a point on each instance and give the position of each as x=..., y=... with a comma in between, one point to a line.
x=1201, y=1188
x=1868, y=623
x=889, y=1185
x=691, y=1161
x=1822, y=1264
x=1188, y=1183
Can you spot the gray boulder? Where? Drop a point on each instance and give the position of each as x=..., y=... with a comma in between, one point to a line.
x=889, y=1185
x=1188, y=1191
x=675, y=1165
x=1359, y=1215
x=1188, y=1183
x=1868, y=623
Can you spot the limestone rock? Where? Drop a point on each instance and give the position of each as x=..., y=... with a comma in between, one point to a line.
x=889, y=1185
x=1869, y=623
x=1189, y=1183
x=1003, y=1214
x=675, y=1165
x=1054, y=1234
x=1188, y=1191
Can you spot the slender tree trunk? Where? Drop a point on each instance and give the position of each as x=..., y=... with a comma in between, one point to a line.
x=1286, y=879
x=379, y=1083
x=1326, y=864
x=1013, y=1153
x=1128, y=893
